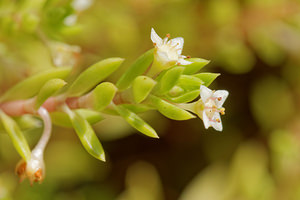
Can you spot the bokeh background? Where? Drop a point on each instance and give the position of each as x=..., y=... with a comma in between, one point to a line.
x=254, y=44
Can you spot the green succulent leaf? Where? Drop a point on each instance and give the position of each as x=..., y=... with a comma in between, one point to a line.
x=32, y=85
x=16, y=136
x=168, y=80
x=197, y=64
x=187, y=80
x=93, y=75
x=187, y=97
x=136, y=69
x=207, y=78
x=138, y=108
x=142, y=87
x=62, y=119
x=169, y=110
x=51, y=87
x=103, y=95
x=86, y=134
x=136, y=122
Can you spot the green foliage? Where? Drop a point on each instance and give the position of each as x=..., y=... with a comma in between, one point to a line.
x=136, y=122
x=136, y=69
x=207, y=78
x=169, y=110
x=62, y=119
x=187, y=97
x=93, y=75
x=16, y=136
x=32, y=85
x=103, y=95
x=86, y=134
x=50, y=88
x=142, y=87
x=197, y=65
x=168, y=80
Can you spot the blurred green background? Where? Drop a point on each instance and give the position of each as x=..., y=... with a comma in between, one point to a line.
x=254, y=44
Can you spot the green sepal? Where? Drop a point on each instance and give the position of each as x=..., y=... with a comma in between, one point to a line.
x=169, y=110
x=187, y=97
x=197, y=64
x=62, y=119
x=16, y=135
x=142, y=87
x=136, y=69
x=136, y=122
x=50, y=88
x=86, y=134
x=207, y=78
x=103, y=95
x=93, y=75
x=32, y=85
x=168, y=80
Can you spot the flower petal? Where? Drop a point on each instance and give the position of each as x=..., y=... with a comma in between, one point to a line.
x=155, y=38
x=205, y=93
x=184, y=62
x=217, y=125
x=178, y=44
x=206, y=121
x=222, y=94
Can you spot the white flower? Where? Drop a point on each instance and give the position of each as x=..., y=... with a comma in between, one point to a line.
x=168, y=52
x=212, y=107
x=81, y=5
x=34, y=168
x=64, y=55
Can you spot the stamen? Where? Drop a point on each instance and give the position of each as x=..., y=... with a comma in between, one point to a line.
x=168, y=35
x=154, y=44
x=188, y=57
x=222, y=111
x=219, y=98
x=218, y=120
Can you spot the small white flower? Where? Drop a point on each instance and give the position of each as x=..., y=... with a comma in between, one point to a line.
x=64, y=54
x=81, y=5
x=212, y=102
x=168, y=52
x=70, y=20
x=34, y=168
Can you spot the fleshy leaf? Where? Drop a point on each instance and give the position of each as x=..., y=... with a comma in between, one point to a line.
x=93, y=75
x=169, y=110
x=187, y=81
x=136, y=69
x=138, y=108
x=16, y=136
x=86, y=134
x=103, y=94
x=207, y=78
x=187, y=97
x=141, y=88
x=136, y=122
x=168, y=80
x=32, y=85
x=197, y=64
x=48, y=90
x=62, y=119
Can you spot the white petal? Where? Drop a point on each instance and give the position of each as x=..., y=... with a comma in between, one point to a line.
x=155, y=38
x=205, y=93
x=184, y=62
x=178, y=44
x=217, y=125
x=220, y=93
x=206, y=121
